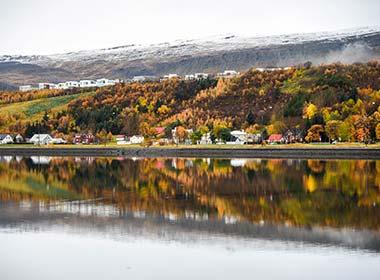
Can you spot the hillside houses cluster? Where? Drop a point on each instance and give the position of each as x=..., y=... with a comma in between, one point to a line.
x=71, y=84
x=142, y=78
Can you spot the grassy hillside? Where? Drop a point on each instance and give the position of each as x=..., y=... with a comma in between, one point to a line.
x=339, y=102
x=30, y=111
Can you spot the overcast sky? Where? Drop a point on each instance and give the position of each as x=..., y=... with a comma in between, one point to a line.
x=56, y=26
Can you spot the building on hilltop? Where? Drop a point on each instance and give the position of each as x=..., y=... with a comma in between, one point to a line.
x=105, y=82
x=47, y=86
x=87, y=83
x=26, y=88
x=228, y=74
x=72, y=84
x=144, y=79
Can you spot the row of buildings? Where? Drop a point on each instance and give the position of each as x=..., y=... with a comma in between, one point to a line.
x=108, y=82
x=37, y=139
x=71, y=84
x=195, y=76
x=238, y=137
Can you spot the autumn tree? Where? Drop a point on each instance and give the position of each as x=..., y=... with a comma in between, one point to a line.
x=332, y=129
x=378, y=131
x=314, y=134
x=180, y=134
x=309, y=111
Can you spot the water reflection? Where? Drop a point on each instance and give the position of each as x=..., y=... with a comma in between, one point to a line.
x=332, y=203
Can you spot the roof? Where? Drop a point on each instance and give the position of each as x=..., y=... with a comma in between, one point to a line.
x=160, y=130
x=40, y=136
x=275, y=137
x=2, y=136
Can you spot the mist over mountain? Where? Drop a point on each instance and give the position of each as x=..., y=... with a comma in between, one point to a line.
x=211, y=55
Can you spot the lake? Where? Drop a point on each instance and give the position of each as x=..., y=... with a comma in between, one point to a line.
x=120, y=218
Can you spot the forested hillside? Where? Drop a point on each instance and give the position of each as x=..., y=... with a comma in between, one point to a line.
x=321, y=103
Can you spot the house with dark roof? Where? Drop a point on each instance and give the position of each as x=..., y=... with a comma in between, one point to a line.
x=6, y=139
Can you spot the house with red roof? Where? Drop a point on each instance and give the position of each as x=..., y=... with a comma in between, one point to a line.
x=276, y=139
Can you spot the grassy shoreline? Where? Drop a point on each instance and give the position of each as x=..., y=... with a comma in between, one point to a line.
x=201, y=147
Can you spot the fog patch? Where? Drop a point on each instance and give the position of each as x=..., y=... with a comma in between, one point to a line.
x=352, y=53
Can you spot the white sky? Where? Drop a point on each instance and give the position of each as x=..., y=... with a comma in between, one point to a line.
x=55, y=26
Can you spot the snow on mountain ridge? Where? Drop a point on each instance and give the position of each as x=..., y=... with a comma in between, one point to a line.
x=181, y=48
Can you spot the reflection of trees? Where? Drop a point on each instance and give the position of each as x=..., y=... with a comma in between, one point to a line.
x=334, y=193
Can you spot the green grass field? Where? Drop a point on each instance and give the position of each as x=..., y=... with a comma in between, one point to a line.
x=34, y=110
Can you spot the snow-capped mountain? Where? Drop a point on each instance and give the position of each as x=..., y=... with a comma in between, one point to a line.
x=202, y=55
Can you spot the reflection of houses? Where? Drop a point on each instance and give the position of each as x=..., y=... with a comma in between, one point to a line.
x=276, y=139
x=238, y=162
x=41, y=139
x=6, y=139
x=40, y=159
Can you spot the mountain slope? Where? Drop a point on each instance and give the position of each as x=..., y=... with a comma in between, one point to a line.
x=189, y=56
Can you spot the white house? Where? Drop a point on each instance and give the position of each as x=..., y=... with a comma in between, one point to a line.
x=47, y=86
x=120, y=140
x=200, y=76
x=26, y=88
x=171, y=76
x=144, y=79
x=62, y=86
x=190, y=77
x=58, y=141
x=41, y=139
x=18, y=138
x=228, y=74
x=105, y=82
x=87, y=83
x=6, y=139
x=240, y=134
x=205, y=139
x=72, y=84
x=136, y=139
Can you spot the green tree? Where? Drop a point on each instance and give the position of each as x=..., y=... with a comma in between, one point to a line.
x=250, y=118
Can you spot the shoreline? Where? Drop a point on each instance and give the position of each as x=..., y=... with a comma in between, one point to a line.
x=183, y=152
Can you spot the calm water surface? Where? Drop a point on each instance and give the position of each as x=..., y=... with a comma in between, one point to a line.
x=117, y=218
